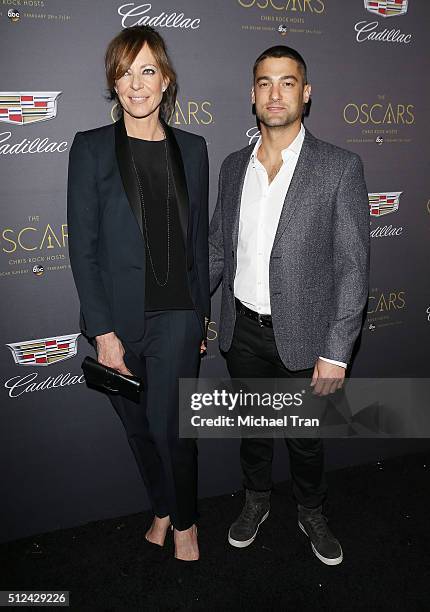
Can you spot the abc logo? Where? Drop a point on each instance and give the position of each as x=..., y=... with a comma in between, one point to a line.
x=13, y=15
x=38, y=270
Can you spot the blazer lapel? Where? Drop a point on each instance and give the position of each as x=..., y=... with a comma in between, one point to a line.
x=125, y=164
x=297, y=185
x=179, y=180
x=239, y=180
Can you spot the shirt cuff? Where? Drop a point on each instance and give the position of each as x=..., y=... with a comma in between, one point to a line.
x=334, y=362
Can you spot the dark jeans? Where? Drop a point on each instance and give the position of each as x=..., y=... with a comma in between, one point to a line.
x=253, y=354
x=167, y=463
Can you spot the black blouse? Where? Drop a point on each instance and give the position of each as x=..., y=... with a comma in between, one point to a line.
x=150, y=160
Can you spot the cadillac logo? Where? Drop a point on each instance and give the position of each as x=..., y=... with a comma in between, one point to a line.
x=28, y=107
x=384, y=203
x=45, y=351
x=387, y=8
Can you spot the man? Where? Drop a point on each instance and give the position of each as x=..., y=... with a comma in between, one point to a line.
x=290, y=241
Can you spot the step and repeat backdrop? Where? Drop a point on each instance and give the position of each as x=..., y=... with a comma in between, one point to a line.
x=64, y=458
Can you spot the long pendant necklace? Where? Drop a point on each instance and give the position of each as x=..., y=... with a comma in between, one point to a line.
x=145, y=224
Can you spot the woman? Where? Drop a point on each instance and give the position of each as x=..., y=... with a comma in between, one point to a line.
x=138, y=218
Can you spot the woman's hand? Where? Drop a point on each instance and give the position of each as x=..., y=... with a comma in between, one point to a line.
x=110, y=352
x=203, y=347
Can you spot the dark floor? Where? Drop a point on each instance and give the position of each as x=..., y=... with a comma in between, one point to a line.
x=380, y=512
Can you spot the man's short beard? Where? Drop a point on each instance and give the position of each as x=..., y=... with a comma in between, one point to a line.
x=287, y=121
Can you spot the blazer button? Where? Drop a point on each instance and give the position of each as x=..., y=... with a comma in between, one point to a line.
x=230, y=288
x=190, y=266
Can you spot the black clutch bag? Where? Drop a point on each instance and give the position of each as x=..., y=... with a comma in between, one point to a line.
x=109, y=380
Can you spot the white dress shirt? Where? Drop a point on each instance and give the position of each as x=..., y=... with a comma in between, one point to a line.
x=260, y=209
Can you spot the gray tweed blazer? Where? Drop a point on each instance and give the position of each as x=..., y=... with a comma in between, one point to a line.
x=319, y=264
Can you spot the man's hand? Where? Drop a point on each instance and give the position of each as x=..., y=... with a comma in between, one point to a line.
x=327, y=377
x=110, y=352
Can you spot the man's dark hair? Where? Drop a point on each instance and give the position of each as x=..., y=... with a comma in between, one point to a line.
x=283, y=51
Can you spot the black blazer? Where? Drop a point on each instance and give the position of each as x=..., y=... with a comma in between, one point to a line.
x=106, y=244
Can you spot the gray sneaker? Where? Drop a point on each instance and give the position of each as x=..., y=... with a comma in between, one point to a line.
x=325, y=546
x=255, y=511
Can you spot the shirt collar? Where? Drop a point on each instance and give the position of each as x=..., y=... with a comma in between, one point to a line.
x=295, y=147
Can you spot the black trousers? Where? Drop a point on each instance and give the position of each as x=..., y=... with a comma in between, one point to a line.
x=253, y=354
x=169, y=350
